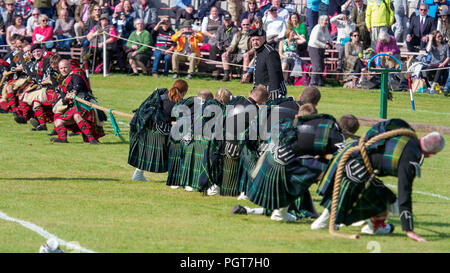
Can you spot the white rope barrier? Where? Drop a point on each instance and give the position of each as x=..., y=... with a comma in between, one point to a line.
x=55, y=41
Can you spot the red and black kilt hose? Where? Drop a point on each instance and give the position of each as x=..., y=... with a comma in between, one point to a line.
x=88, y=116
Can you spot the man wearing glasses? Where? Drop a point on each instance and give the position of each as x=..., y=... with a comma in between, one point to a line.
x=419, y=28
x=358, y=16
x=33, y=21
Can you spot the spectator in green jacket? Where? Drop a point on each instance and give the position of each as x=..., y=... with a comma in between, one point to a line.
x=139, y=54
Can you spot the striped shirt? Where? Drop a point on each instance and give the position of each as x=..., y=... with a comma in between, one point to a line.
x=163, y=37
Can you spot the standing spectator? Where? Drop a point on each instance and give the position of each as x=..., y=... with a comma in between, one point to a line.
x=17, y=28
x=32, y=22
x=146, y=11
x=388, y=45
x=204, y=7
x=443, y=25
x=44, y=32
x=268, y=70
x=251, y=12
x=235, y=9
x=301, y=34
x=187, y=41
x=82, y=14
x=344, y=28
x=319, y=40
x=379, y=16
x=139, y=54
x=162, y=33
x=224, y=35
x=210, y=24
x=358, y=16
x=235, y=52
x=96, y=40
x=24, y=8
x=433, y=6
x=323, y=7
x=64, y=29
x=312, y=14
x=183, y=9
x=440, y=57
x=44, y=6
x=274, y=26
x=401, y=19
x=419, y=28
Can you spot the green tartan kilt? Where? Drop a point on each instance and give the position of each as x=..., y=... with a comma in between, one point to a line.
x=175, y=164
x=230, y=179
x=247, y=163
x=149, y=151
x=358, y=202
x=193, y=163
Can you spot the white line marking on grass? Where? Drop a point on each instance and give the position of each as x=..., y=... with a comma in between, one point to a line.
x=426, y=193
x=47, y=235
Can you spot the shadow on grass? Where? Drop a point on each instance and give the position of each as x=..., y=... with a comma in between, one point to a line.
x=59, y=178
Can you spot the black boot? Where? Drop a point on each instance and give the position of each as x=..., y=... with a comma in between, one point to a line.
x=19, y=119
x=226, y=76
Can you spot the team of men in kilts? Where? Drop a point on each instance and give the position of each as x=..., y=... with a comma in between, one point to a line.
x=40, y=87
x=273, y=155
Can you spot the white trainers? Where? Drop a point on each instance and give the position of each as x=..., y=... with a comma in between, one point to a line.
x=387, y=229
x=358, y=224
x=255, y=211
x=174, y=187
x=242, y=196
x=52, y=246
x=282, y=215
x=188, y=188
x=213, y=190
x=139, y=176
x=322, y=221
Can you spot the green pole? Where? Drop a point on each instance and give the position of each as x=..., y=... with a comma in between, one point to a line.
x=384, y=94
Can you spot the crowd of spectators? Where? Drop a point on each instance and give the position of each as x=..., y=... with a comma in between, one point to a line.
x=300, y=33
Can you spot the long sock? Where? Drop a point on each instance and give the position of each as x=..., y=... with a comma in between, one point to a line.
x=40, y=115
x=62, y=132
x=24, y=110
x=86, y=129
x=4, y=105
x=11, y=102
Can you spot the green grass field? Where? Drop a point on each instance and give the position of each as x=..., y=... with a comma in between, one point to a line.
x=84, y=193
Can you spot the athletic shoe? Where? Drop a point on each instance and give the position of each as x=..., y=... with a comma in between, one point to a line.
x=188, y=188
x=322, y=221
x=34, y=122
x=381, y=230
x=52, y=246
x=39, y=128
x=58, y=140
x=282, y=215
x=213, y=190
x=19, y=119
x=242, y=196
x=139, y=176
x=238, y=209
x=174, y=187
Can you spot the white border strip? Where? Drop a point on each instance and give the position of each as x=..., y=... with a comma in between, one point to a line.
x=70, y=245
x=426, y=193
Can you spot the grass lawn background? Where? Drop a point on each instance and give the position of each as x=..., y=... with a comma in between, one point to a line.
x=84, y=193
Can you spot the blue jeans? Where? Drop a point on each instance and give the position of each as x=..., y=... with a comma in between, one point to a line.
x=158, y=54
x=312, y=18
x=64, y=44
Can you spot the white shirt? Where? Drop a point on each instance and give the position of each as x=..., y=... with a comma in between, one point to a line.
x=274, y=27
x=318, y=37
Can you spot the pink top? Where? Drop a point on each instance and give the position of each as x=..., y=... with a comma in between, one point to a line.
x=42, y=34
x=390, y=47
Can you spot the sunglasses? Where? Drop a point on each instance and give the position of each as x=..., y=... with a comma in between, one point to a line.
x=45, y=20
x=422, y=9
x=245, y=24
x=355, y=35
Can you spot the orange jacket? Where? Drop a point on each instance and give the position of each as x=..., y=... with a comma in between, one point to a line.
x=181, y=40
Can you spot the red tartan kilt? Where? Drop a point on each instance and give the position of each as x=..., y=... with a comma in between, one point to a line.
x=51, y=97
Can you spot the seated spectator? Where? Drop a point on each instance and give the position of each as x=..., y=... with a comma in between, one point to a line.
x=16, y=28
x=274, y=26
x=235, y=9
x=443, y=25
x=287, y=50
x=128, y=11
x=440, y=57
x=210, y=24
x=64, y=29
x=358, y=17
x=257, y=23
x=388, y=45
x=205, y=6
x=96, y=40
x=44, y=32
x=123, y=22
x=32, y=22
x=162, y=34
x=224, y=35
x=301, y=33
x=93, y=20
x=187, y=41
x=281, y=12
x=235, y=52
x=251, y=12
x=183, y=10
x=82, y=14
x=146, y=11
x=139, y=54
x=419, y=28
x=352, y=51
x=344, y=28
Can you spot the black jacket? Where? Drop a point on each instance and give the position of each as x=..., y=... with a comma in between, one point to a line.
x=414, y=27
